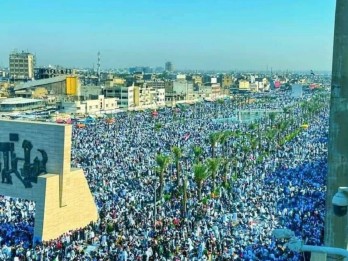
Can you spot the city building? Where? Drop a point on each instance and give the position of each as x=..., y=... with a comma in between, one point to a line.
x=22, y=65
x=215, y=91
x=183, y=88
x=244, y=85
x=197, y=79
x=157, y=84
x=262, y=84
x=113, y=81
x=226, y=83
x=44, y=73
x=169, y=67
x=148, y=97
x=125, y=95
x=91, y=106
x=20, y=104
x=58, y=86
x=160, y=97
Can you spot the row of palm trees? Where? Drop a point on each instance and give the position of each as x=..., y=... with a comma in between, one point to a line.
x=223, y=161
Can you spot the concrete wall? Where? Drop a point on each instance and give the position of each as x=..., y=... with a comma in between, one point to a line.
x=63, y=199
x=55, y=139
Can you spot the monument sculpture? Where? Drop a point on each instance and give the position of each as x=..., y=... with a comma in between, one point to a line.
x=29, y=172
x=35, y=165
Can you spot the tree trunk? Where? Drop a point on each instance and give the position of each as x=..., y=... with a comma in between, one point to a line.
x=184, y=199
x=200, y=191
x=177, y=173
x=161, y=185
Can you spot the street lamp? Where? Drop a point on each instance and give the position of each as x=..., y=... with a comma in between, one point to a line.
x=340, y=202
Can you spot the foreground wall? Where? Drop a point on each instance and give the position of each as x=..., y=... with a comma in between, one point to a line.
x=63, y=199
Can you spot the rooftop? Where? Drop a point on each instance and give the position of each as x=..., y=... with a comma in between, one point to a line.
x=19, y=100
x=31, y=84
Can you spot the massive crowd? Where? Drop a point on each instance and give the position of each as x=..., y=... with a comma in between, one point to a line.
x=283, y=189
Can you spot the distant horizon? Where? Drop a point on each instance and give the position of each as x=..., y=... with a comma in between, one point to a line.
x=194, y=35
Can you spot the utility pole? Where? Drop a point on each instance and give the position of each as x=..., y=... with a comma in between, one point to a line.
x=336, y=229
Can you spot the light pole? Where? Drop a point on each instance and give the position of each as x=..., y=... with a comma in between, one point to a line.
x=336, y=228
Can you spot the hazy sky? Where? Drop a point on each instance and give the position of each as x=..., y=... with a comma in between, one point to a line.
x=193, y=34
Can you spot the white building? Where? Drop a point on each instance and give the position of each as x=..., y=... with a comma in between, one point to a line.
x=97, y=106
x=160, y=97
x=125, y=95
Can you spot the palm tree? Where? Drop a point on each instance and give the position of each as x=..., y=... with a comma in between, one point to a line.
x=225, y=167
x=224, y=137
x=213, y=140
x=177, y=153
x=158, y=126
x=272, y=116
x=213, y=167
x=286, y=112
x=200, y=175
x=197, y=152
x=162, y=162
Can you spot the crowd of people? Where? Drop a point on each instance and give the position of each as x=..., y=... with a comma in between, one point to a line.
x=285, y=188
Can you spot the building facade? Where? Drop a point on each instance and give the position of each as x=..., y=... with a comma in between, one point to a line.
x=169, y=67
x=22, y=65
x=125, y=95
x=44, y=73
x=21, y=104
x=96, y=106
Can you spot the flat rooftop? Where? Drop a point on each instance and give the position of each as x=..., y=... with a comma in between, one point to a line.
x=12, y=101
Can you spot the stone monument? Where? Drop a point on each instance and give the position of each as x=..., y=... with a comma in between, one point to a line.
x=35, y=165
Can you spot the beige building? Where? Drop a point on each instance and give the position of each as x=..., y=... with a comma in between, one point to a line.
x=244, y=85
x=216, y=91
x=197, y=79
x=114, y=81
x=22, y=65
x=147, y=97
x=227, y=81
x=96, y=106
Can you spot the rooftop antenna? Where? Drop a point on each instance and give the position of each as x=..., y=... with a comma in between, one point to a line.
x=98, y=68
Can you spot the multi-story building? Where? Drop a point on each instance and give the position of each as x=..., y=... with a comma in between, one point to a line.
x=244, y=85
x=157, y=84
x=183, y=88
x=44, y=73
x=169, y=67
x=160, y=97
x=143, y=96
x=146, y=96
x=215, y=91
x=226, y=83
x=125, y=95
x=197, y=79
x=22, y=65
